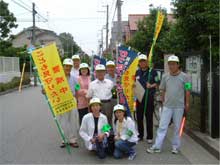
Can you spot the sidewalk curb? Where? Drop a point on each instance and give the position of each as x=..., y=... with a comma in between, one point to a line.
x=14, y=89
x=203, y=143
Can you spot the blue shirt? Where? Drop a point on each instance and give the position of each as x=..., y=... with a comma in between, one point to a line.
x=142, y=77
x=72, y=80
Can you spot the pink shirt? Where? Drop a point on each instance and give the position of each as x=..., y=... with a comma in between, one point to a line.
x=81, y=94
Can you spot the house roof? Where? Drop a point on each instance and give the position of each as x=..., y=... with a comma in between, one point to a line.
x=133, y=20
x=36, y=29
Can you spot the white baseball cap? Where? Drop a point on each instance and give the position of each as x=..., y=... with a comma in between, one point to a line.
x=68, y=61
x=173, y=58
x=142, y=57
x=100, y=67
x=110, y=63
x=76, y=56
x=118, y=107
x=83, y=65
x=95, y=100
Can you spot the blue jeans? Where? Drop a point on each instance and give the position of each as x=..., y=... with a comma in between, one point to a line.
x=123, y=147
x=167, y=114
x=100, y=148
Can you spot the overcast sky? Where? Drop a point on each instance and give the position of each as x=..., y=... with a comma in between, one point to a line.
x=78, y=17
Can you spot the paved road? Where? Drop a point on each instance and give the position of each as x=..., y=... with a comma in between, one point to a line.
x=29, y=135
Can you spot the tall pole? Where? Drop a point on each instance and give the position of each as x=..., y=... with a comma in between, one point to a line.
x=210, y=81
x=119, y=3
x=33, y=42
x=107, y=28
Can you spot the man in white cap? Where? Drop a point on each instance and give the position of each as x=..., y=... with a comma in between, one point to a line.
x=111, y=75
x=142, y=76
x=175, y=87
x=76, y=64
x=101, y=88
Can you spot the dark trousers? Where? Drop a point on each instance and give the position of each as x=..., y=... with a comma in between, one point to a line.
x=107, y=109
x=82, y=112
x=101, y=148
x=148, y=115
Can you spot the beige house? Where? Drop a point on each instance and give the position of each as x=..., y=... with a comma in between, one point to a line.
x=43, y=37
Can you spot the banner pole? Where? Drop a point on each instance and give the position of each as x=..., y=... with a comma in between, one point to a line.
x=117, y=69
x=22, y=77
x=150, y=61
x=54, y=117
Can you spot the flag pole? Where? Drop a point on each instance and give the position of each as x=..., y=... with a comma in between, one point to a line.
x=150, y=63
x=117, y=44
x=53, y=114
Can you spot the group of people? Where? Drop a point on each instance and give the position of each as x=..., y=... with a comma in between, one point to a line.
x=97, y=107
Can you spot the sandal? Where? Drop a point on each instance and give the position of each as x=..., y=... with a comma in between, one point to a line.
x=74, y=145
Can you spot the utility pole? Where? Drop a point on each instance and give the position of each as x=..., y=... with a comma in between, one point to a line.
x=119, y=3
x=33, y=42
x=107, y=17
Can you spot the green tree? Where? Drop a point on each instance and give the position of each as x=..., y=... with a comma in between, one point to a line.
x=196, y=20
x=69, y=45
x=7, y=22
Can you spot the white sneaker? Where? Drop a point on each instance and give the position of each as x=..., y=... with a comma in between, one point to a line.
x=174, y=151
x=132, y=156
x=153, y=150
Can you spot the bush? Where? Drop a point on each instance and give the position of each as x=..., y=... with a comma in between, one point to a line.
x=15, y=82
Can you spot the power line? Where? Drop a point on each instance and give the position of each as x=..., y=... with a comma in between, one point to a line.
x=22, y=6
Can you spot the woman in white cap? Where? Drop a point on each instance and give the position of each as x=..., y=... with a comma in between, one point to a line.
x=95, y=129
x=126, y=135
x=83, y=80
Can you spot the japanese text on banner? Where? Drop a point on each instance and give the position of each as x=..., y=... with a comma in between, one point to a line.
x=52, y=76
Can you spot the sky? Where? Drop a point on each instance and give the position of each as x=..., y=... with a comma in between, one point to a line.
x=84, y=19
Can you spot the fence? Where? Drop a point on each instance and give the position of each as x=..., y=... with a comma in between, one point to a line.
x=9, y=68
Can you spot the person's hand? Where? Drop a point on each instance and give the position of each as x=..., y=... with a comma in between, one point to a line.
x=84, y=92
x=43, y=91
x=148, y=85
x=101, y=137
x=187, y=107
x=134, y=85
x=116, y=138
x=92, y=140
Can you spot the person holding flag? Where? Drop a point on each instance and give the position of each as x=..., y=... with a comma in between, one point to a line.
x=126, y=135
x=68, y=120
x=94, y=129
x=175, y=87
x=149, y=80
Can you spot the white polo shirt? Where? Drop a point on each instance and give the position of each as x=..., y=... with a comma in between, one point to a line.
x=100, y=89
x=75, y=72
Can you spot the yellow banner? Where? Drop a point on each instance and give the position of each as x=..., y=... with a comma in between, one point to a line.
x=160, y=18
x=128, y=79
x=54, y=81
x=159, y=23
